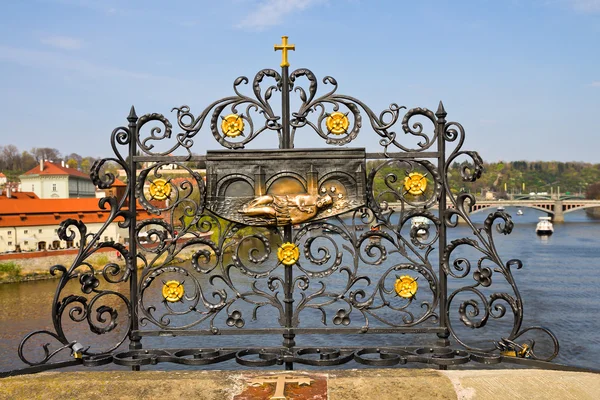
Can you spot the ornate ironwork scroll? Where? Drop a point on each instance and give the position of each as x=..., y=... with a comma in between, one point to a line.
x=293, y=241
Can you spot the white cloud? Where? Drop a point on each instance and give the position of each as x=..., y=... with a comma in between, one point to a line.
x=58, y=61
x=595, y=84
x=588, y=6
x=63, y=42
x=272, y=12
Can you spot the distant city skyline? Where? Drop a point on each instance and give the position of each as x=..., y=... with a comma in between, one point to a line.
x=522, y=76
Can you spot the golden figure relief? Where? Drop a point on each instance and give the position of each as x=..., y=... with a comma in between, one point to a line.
x=406, y=286
x=173, y=291
x=285, y=209
x=232, y=125
x=415, y=183
x=288, y=253
x=159, y=189
x=337, y=123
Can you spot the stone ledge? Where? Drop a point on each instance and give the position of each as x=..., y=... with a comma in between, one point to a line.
x=380, y=384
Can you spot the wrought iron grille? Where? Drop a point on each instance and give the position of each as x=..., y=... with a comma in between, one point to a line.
x=290, y=242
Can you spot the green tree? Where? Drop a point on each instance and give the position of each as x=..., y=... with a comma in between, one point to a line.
x=72, y=163
x=27, y=161
x=86, y=165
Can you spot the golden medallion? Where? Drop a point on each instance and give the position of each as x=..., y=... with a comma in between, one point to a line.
x=173, y=291
x=288, y=253
x=232, y=125
x=415, y=183
x=406, y=286
x=160, y=189
x=337, y=123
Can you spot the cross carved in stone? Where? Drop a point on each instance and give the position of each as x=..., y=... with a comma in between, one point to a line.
x=280, y=381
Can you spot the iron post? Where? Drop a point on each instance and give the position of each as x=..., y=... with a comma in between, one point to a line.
x=443, y=293
x=135, y=339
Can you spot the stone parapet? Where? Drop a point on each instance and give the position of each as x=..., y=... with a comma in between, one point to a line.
x=379, y=384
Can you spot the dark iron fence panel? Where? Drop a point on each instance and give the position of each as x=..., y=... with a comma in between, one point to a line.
x=289, y=241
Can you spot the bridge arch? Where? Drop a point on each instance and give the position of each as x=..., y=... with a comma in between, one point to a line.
x=553, y=208
x=478, y=208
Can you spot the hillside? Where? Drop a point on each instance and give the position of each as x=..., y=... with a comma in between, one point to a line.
x=511, y=177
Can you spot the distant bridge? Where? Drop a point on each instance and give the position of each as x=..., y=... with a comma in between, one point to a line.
x=555, y=208
x=552, y=196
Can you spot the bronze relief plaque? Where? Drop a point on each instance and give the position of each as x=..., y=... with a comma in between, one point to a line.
x=284, y=187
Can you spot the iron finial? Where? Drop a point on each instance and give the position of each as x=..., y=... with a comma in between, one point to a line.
x=441, y=112
x=132, y=115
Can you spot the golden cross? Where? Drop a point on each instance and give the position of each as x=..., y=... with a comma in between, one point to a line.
x=284, y=47
x=279, y=381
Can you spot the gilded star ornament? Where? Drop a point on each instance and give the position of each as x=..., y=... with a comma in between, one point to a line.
x=288, y=253
x=406, y=286
x=173, y=291
x=415, y=183
x=337, y=123
x=160, y=189
x=232, y=125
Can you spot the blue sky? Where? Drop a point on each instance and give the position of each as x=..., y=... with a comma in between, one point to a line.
x=522, y=76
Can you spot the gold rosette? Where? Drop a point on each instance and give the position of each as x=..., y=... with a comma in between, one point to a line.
x=160, y=189
x=173, y=291
x=406, y=286
x=415, y=183
x=232, y=125
x=337, y=123
x=288, y=253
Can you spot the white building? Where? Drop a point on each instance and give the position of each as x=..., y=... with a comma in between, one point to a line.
x=3, y=179
x=57, y=181
x=28, y=224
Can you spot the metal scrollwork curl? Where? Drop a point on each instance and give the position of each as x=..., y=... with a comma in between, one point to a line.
x=489, y=267
x=347, y=131
x=259, y=104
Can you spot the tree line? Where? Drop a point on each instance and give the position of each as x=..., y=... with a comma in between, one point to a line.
x=14, y=162
x=504, y=178
x=499, y=177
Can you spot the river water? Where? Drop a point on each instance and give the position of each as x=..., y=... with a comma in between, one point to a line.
x=559, y=283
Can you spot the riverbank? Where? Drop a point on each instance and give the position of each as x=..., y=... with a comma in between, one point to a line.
x=593, y=213
x=381, y=384
x=24, y=267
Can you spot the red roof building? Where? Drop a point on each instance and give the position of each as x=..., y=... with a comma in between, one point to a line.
x=52, y=180
x=50, y=168
x=32, y=224
x=11, y=195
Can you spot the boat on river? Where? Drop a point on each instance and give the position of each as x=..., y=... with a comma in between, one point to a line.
x=519, y=212
x=544, y=226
